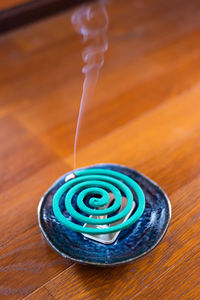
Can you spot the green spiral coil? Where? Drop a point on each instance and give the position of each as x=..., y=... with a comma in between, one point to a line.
x=99, y=182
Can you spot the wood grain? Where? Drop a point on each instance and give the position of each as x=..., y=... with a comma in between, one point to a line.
x=79, y=282
x=6, y=4
x=145, y=114
x=17, y=13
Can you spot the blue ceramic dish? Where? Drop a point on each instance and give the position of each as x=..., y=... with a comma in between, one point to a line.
x=131, y=243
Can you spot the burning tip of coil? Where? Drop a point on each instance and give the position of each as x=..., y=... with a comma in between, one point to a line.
x=69, y=177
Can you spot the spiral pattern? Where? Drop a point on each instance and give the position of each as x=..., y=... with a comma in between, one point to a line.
x=89, y=182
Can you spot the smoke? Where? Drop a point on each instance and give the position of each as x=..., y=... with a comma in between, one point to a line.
x=91, y=21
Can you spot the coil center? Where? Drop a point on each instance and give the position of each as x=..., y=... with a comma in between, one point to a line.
x=107, y=214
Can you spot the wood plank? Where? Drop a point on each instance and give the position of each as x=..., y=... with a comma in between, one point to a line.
x=21, y=155
x=148, y=93
x=42, y=293
x=27, y=262
x=142, y=79
x=5, y=4
x=17, y=13
x=24, y=197
x=171, y=283
x=25, y=258
x=167, y=120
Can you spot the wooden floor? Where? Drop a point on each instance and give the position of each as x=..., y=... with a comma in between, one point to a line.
x=145, y=114
x=6, y=4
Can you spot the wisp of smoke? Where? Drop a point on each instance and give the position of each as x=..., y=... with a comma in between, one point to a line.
x=91, y=21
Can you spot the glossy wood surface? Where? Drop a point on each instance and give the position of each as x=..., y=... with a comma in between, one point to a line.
x=145, y=114
x=6, y=4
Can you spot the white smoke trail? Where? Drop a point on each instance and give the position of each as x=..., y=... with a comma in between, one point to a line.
x=91, y=21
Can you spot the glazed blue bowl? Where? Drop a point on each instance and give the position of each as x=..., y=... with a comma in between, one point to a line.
x=132, y=243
